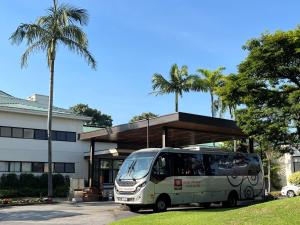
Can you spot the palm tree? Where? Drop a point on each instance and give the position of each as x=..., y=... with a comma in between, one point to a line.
x=179, y=82
x=208, y=81
x=59, y=26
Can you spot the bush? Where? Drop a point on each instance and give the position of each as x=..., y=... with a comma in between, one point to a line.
x=28, y=180
x=294, y=178
x=28, y=185
x=8, y=181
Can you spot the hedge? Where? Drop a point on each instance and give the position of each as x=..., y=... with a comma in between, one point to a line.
x=294, y=178
x=28, y=185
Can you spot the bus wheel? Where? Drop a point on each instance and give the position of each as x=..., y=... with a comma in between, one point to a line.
x=232, y=200
x=133, y=208
x=161, y=205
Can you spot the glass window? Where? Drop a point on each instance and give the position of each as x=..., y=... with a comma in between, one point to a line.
x=46, y=167
x=5, y=131
x=59, y=167
x=69, y=167
x=40, y=135
x=210, y=164
x=61, y=136
x=4, y=166
x=54, y=136
x=71, y=136
x=117, y=164
x=161, y=166
x=29, y=133
x=26, y=167
x=38, y=167
x=188, y=165
x=105, y=164
x=225, y=165
x=14, y=167
x=17, y=132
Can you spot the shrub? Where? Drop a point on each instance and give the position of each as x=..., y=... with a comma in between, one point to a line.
x=9, y=181
x=294, y=178
x=28, y=180
x=58, y=180
x=9, y=193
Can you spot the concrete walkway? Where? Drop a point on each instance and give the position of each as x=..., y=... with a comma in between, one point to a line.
x=93, y=213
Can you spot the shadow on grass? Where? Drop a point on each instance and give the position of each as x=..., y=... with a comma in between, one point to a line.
x=35, y=215
x=215, y=208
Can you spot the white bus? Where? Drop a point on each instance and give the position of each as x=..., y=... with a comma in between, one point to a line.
x=160, y=178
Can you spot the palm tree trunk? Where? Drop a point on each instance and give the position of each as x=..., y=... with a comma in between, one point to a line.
x=49, y=130
x=176, y=102
x=212, y=104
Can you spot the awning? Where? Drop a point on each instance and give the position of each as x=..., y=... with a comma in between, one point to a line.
x=178, y=129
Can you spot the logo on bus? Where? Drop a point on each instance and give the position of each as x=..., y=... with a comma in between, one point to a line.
x=177, y=184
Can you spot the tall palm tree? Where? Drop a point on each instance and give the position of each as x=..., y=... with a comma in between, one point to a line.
x=179, y=82
x=59, y=26
x=208, y=81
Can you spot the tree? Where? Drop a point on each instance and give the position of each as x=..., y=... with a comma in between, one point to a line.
x=98, y=119
x=179, y=82
x=59, y=26
x=208, y=81
x=267, y=90
x=143, y=116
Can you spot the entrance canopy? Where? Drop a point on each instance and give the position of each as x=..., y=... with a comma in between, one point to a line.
x=173, y=130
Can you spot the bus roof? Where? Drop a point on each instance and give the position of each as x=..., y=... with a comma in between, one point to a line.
x=183, y=150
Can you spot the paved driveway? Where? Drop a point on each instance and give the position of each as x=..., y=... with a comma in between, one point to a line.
x=96, y=213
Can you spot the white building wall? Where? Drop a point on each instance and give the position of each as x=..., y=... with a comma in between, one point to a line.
x=287, y=166
x=17, y=149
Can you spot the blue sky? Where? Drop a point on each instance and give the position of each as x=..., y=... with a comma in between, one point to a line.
x=133, y=39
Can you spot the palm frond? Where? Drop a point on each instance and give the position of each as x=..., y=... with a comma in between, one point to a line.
x=32, y=33
x=76, y=34
x=174, y=73
x=74, y=14
x=40, y=45
x=79, y=49
x=160, y=85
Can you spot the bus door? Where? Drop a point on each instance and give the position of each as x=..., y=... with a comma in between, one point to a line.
x=161, y=175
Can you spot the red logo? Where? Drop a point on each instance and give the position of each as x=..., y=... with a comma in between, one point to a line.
x=177, y=184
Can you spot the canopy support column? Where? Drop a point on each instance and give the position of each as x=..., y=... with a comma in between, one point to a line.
x=91, y=163
x=165, y=137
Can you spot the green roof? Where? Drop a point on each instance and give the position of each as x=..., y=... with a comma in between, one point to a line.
x=11, y=102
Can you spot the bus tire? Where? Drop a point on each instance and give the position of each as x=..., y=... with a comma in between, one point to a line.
x=231, y=201
x=161, y=204
x=133, y=208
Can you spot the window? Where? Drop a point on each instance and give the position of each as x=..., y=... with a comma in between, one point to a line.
x=37, y=167
x=61, y=136
x=71, y=136
x=4, y=166
x=296, y=162
x=5, y=131
x=59, y=167
x=28, y=133
x=69, y=167
x=188, y=165
x=116, y=166
x=17, y=132
x=162, y=166
x=14, y=167
x=54, y=135
x=26, y=167
x=106, y=171
x=40, y=135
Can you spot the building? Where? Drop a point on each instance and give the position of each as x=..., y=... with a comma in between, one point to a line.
x=289, y=163
x=23, y=137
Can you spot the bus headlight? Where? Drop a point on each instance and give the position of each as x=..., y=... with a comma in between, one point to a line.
x=138, y=188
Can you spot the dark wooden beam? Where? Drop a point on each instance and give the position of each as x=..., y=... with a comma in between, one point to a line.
x=91, y=163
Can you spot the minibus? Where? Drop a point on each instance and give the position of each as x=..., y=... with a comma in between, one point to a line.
x=162, y=177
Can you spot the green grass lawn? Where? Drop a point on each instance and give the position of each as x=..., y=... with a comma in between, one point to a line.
x=285, y=211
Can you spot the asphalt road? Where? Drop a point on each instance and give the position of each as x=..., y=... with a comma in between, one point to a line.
x=94, y=213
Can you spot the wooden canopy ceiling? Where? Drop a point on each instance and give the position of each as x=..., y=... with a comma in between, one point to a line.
x=181, y=129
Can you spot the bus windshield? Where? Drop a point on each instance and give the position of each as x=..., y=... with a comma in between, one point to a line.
x=136, y=166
